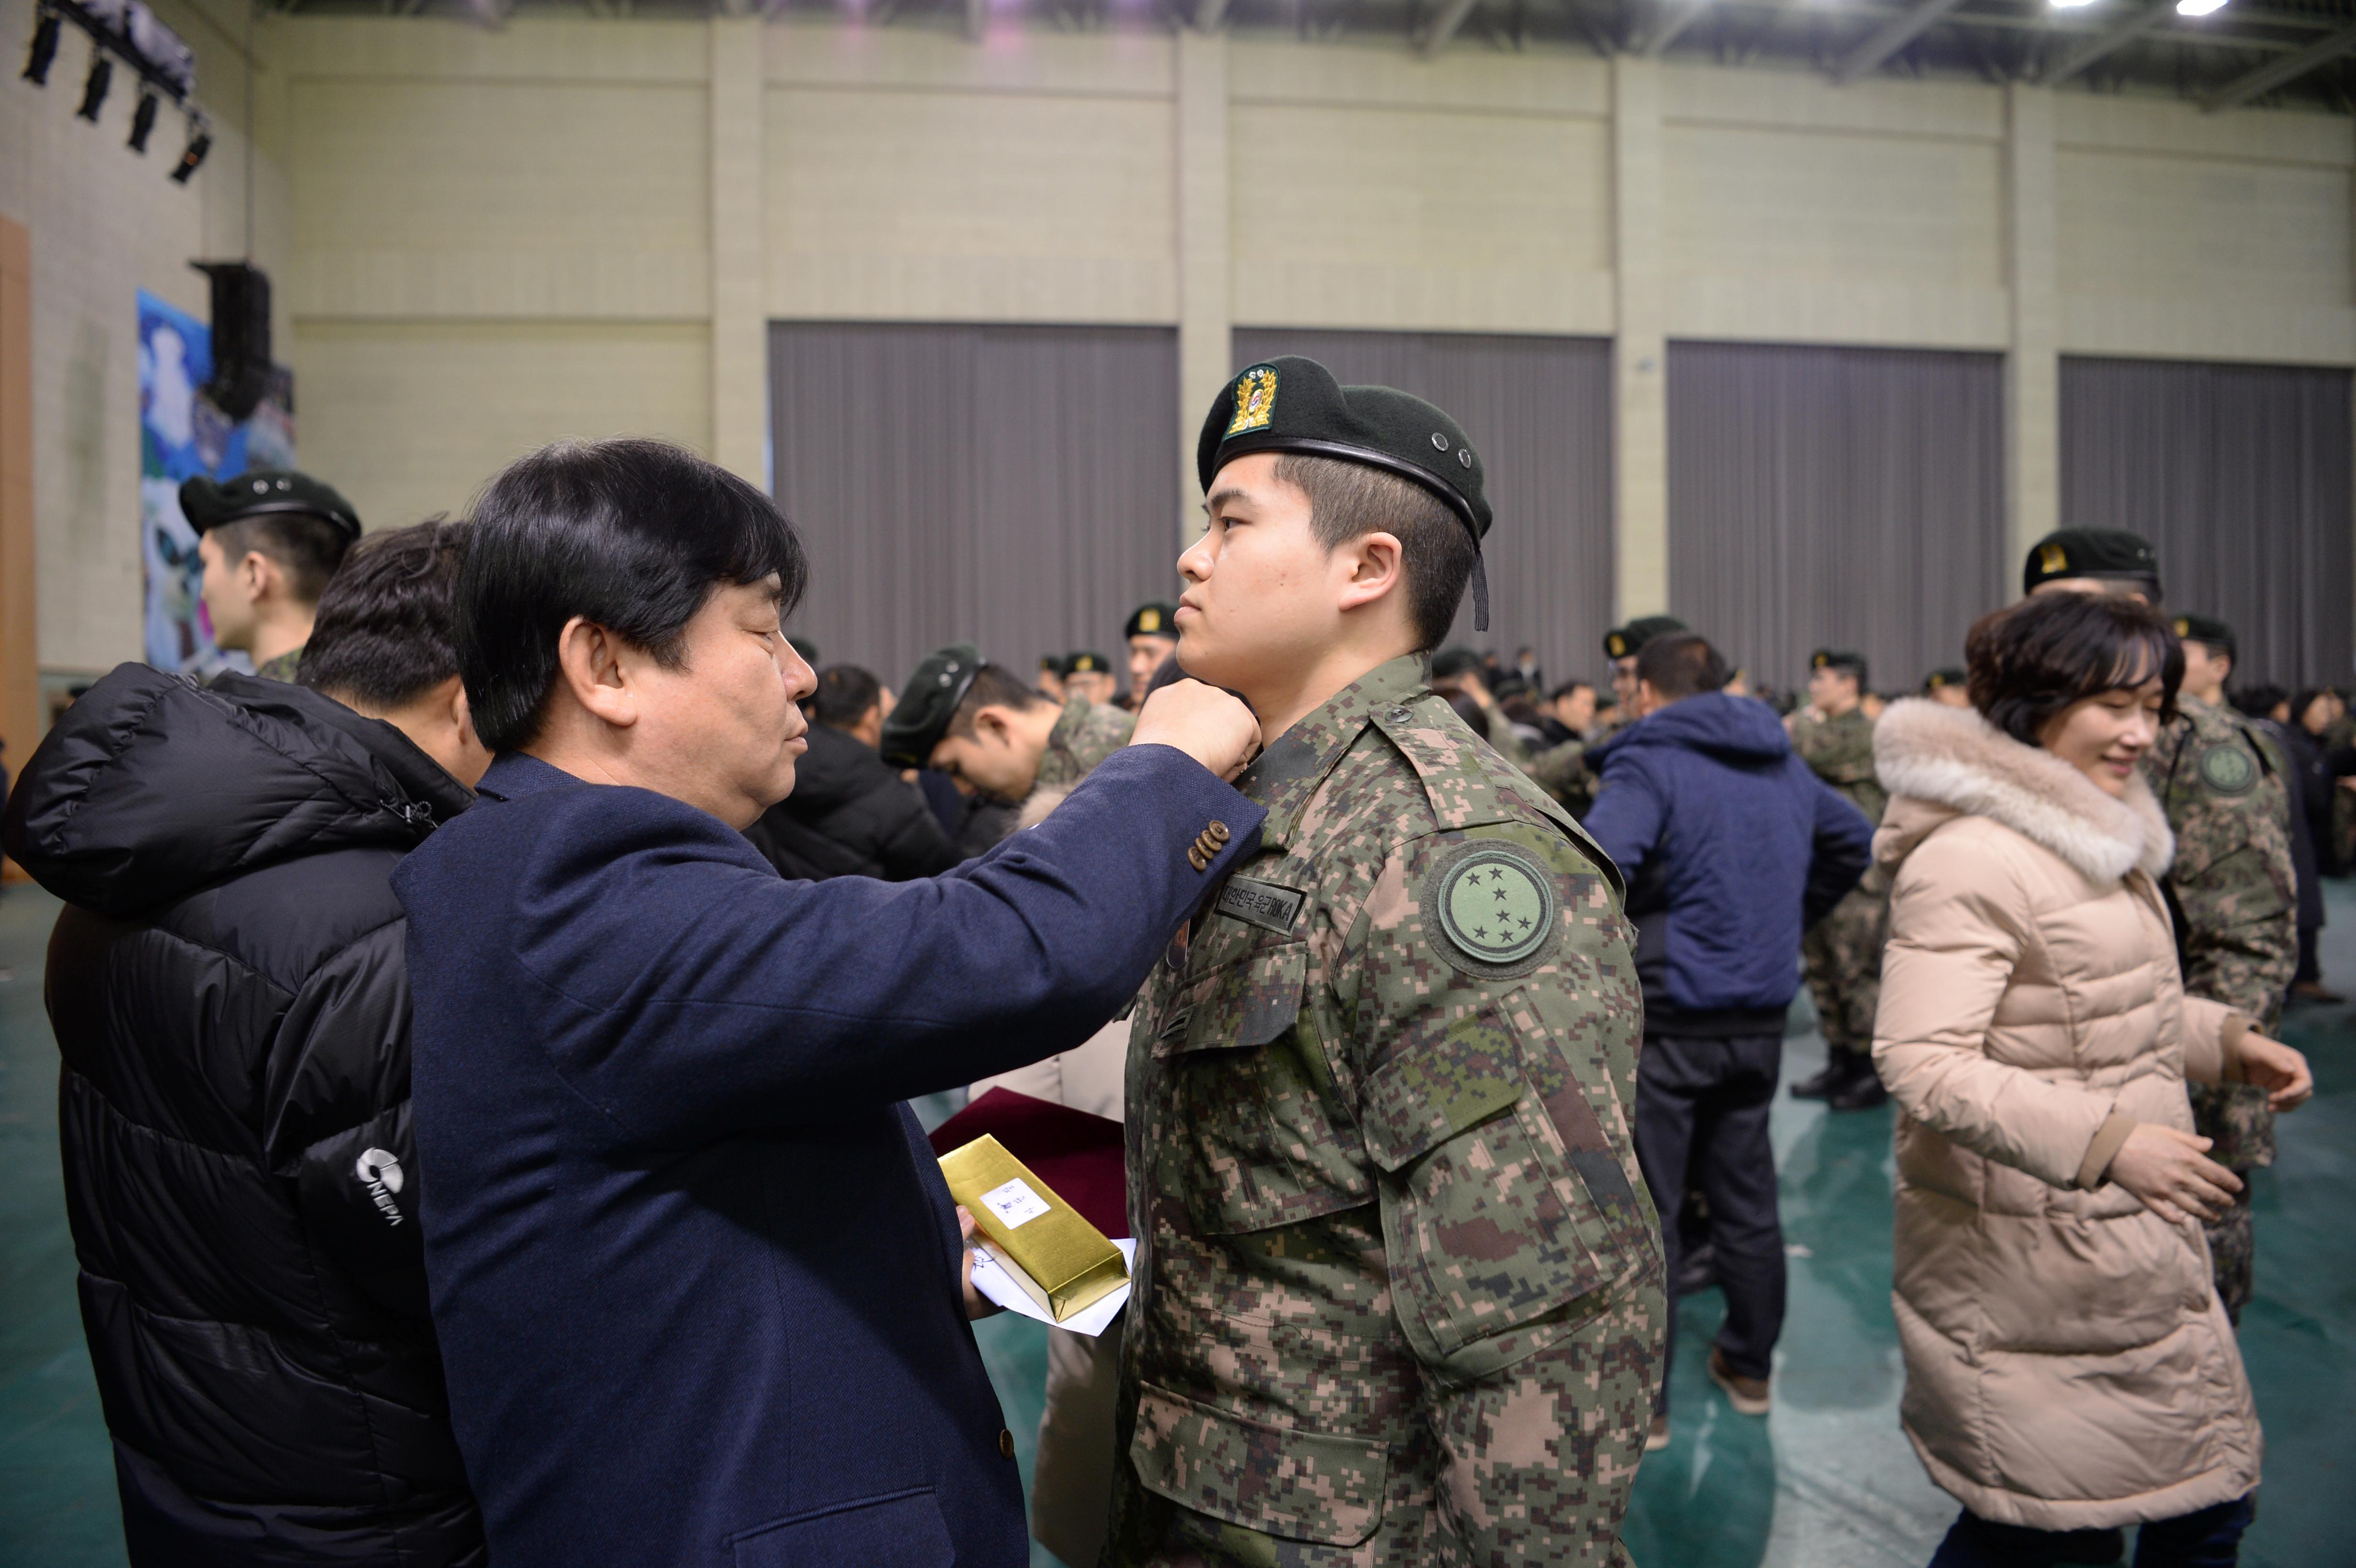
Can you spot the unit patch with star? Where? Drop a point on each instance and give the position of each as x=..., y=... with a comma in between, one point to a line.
x=1493, y=908
x=2229, y=769
x=1254, y=400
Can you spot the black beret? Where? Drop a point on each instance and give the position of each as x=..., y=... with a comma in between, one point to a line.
x=808, y=649
x=1294, y=404
x=1159, y=619
x=261, y=492
x=1938, y=679
x=2088, y=552
x=1087, y=664
x=1053, y=663
x=1625, y=642
x=921, y=715
x=1450, y=662
x=2206, y=629
x=1837, y=658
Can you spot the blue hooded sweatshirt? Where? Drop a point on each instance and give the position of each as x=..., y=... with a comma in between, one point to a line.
x=1731, y=848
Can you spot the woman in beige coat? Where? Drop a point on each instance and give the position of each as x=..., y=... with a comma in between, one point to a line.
x=2068, y=1368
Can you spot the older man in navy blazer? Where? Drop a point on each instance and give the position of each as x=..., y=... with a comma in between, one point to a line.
x=701, y=1289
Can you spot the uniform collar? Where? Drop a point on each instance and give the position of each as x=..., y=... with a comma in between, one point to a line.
x=1289, y=772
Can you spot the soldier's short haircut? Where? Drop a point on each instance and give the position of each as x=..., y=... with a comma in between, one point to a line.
x=2028, y=663
x=1347, y=500
x=1855, y=672
x=307, y=549
x=1567, y=688
x=1681, y=664
x=633, y=536
x=381, y=639
x=845, y=693
x=993, y=687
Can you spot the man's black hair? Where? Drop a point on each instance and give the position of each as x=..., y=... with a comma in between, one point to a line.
x=2260, y=701
x=1348, y=499
x=1681, y=664
x=381, y=639
x=993, y=687
x=2031, y=661
x=845, y=693
x=1567, y=687
x=633, y=536
x=307, y=549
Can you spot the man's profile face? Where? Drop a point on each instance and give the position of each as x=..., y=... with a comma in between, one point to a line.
x=1259, y=596
x=227, y=594
x=728, y=724
x=997, y=758
x=1951, y=695
x=2202, y=668
x=1623, y=682
x=1145, y=655
x=1832, y=690
x=1576, y=709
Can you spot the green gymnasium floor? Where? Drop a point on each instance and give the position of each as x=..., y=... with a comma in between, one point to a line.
x=1827, y=1481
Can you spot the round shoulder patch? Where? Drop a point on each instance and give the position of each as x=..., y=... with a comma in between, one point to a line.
x=2229, y=769
x=1494, y=905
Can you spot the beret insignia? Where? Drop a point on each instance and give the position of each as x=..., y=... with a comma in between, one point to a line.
x=1616, y=646
x=2183, y=627
x=1495, y=907
x=1148, y=621
x=1254, y=400
x=2051, y=558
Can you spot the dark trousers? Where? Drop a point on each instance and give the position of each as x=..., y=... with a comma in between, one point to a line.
x=2209, y=1539
x=1701, y=1105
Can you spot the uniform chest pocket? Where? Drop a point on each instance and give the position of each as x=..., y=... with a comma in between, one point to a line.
x=1506, y=1200
x=1246, y=1133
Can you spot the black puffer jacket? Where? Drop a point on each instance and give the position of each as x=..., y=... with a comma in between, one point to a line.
x=851, y=816
x=230, y=997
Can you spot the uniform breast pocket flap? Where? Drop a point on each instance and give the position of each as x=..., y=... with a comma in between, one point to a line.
x=1249, y=1003
x=1486, y=1224
x=1319, y=1487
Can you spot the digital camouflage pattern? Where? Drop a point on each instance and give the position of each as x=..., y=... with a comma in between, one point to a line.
x=2234, y=891
x=1085, y=735
x=283, y=668
x=1842, y=951
x=1398, y=1291
x=1562, y=771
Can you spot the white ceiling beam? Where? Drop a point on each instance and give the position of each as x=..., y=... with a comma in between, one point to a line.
x=1890, y=37
x=2109, y=41
x=1669, y=23
x=2274, y=74
x=1443, y=26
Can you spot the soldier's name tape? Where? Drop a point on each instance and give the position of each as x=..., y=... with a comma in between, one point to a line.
x=1264, y=904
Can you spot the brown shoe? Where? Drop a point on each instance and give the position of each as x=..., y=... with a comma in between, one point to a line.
x=1750, y=1396
x=1658, y=1438
x=2313, y=991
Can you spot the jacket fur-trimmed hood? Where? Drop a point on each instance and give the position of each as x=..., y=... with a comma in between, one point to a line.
x=1941, y=762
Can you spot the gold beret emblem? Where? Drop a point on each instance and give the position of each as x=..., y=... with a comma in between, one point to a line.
x=1254, y=400
x=2051, y=558
x=1618, y=647
x=1148, y=619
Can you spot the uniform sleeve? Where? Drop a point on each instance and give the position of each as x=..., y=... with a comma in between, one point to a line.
x=1958, y=924
x=1843, y=850
x=1496, y=1105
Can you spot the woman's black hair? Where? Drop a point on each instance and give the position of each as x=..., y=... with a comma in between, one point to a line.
x=635, y=535
x=2029, y=662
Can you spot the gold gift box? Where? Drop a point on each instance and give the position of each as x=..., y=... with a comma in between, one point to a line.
x=1061, y=1261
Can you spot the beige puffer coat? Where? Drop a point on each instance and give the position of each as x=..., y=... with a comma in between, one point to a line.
x=2068, y=1365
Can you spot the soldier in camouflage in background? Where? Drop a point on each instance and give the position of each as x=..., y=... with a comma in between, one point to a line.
x=2232, y=887
x=1843, y=951
x=1398, y=1287
x=1562, y=771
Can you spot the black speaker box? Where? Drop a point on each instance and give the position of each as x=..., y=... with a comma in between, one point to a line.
x=241, y=337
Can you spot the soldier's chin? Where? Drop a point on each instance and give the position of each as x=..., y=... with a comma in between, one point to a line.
x=1200, y=661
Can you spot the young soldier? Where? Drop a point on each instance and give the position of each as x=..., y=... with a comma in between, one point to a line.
x=269, y=540
x=1951, y=686
x=1843, y=951
x=1152, y=636
x=974, y=722
x=2232, y=888
x=1563, y=769
x=1398, y=1285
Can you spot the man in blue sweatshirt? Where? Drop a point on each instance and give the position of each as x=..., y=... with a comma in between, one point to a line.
x=1732, y=847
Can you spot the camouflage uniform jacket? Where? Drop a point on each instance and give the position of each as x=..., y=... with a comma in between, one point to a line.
x=1840, y=750
x=2233, y=884
x=1562, y=771
x=1399, y=1295
x=1085, y=735
x=283, y=668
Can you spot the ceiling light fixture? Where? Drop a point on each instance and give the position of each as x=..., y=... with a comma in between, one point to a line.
x=143, y=121
x=93, y=92
x=43, y=49
x=2198, y=7
x=192, y=156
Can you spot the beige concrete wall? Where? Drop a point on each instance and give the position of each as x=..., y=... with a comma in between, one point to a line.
x=487, y=239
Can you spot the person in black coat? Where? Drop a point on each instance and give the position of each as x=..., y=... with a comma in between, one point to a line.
x=851, y=814
x=227, y=990
x=698, y=1281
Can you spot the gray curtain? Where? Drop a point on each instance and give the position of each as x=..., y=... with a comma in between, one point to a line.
x=1540, y=410
x=1835, y=497
x=1013, y=486
x=2239, y=476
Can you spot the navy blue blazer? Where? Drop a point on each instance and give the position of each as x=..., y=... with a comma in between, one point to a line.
x=694, y=1266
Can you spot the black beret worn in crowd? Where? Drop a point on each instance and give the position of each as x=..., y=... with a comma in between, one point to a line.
x=921, y=715
x=262, y=493
x=2088, y=552
x=1837, y=658
x=2206, y=629
x=1087, y=664
x=1626, y=642
x=1158, y=619
x=1938, y=679
x=1291, y=404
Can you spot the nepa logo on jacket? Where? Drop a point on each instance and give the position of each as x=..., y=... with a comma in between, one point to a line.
x=380, y=1173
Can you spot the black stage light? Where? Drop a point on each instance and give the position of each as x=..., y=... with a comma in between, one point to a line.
x=45, y=49
x=194, y=154
x=93, y=92
x=143, y=122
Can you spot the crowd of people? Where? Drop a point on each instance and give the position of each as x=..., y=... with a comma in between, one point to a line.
x=488, y=1029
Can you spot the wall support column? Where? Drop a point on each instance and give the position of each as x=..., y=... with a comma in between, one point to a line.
x=740, y=348
x=1640, y=472
x=1204, y=260
x=20, y=671
x=2033, y=370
